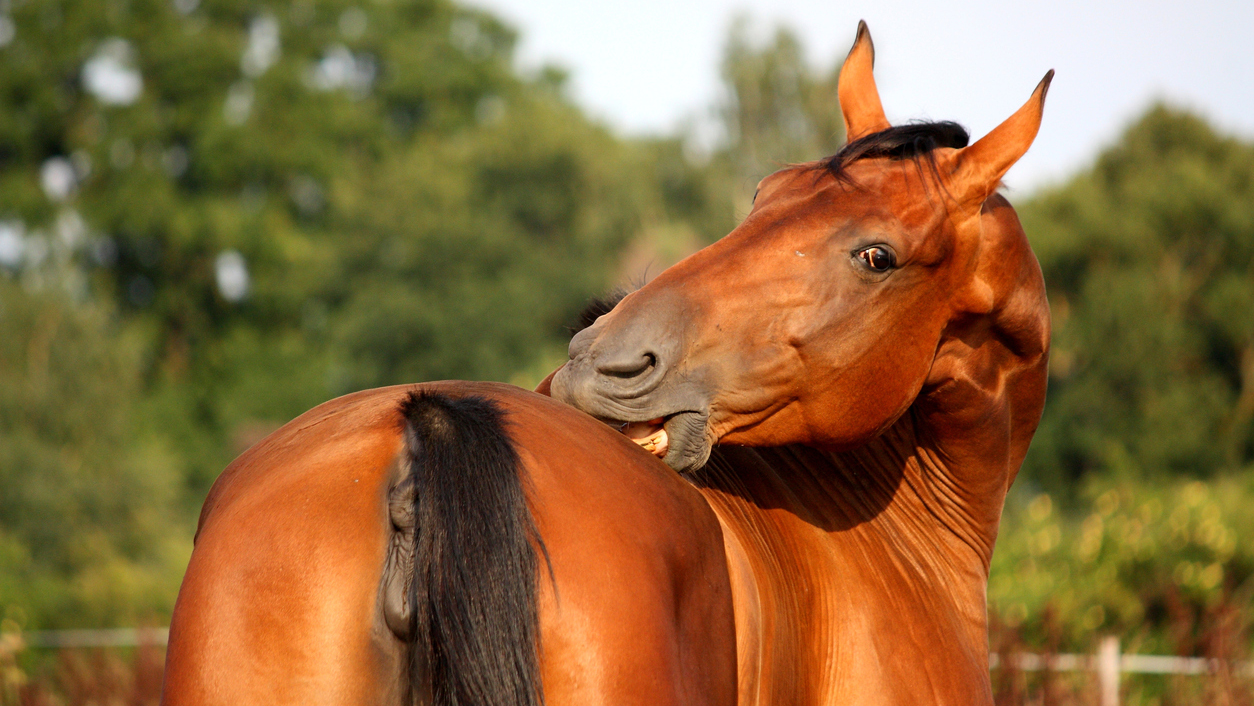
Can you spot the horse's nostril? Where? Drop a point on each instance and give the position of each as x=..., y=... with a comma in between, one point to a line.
x=627, y=367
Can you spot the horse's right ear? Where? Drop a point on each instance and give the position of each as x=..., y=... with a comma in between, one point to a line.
x=978, y=169
x=859, y=98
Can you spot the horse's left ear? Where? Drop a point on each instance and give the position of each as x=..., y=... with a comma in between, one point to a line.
x=978, y=169
x=859, y=98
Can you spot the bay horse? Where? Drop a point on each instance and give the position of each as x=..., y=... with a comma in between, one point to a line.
x=846, y=385
x=851, y=378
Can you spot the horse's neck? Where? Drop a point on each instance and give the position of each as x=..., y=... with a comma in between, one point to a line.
x=858, y=558
x=898, y=490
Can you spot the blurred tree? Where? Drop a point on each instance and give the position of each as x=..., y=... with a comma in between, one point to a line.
x=472, y=250
x=291, y=200
x=1147, y=561
x=215, y=214
x=88, y=530
x=778, y=110
x=775, y=110
x=1149, y=262
x=237, y=209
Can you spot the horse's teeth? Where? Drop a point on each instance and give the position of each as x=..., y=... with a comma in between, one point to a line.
x=662, y=445
x=655, y=442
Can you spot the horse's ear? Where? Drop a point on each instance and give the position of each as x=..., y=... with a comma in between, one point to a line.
x=859, y=98
x=978, y=169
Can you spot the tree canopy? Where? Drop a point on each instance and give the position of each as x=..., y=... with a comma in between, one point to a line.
x=215, y=214
x=1149, y=263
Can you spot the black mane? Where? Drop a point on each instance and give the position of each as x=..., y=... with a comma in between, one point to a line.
x=901, y=142
x=597, y=307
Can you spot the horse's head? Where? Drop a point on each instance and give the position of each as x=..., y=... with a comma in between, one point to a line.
x=825, y=313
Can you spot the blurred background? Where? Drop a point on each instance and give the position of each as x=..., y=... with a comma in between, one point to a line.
x=216, y=214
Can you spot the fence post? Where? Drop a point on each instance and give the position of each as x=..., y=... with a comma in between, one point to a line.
x=1108, y=670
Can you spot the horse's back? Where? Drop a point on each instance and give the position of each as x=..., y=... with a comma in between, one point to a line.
x=282, y=601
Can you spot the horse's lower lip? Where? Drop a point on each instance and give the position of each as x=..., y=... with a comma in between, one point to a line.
x=688, y=441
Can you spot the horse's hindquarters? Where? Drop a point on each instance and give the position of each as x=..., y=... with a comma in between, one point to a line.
x=278, y=605
x=281, y=602
x=261, y=621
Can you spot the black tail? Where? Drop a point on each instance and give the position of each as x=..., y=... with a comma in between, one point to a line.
x=474, y=619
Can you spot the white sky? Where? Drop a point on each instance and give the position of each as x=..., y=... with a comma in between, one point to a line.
x=647, y=65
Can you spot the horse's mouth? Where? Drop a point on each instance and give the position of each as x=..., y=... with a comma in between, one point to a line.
x=650, y=435
x=678, y=439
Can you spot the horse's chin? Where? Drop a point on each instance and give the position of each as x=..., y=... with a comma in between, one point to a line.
x=688, y=443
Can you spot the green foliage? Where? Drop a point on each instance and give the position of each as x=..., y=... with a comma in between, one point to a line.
x=1152, y=563
x=237, y=210
x=1149, y=262
x=403, y=205
x=397, y=204
x=87, y=531
x=471, y=253
x=776, y=109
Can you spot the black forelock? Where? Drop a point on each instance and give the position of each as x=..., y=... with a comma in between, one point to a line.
x=911, y=141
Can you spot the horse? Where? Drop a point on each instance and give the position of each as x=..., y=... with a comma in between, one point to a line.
x=851, y=378
x=824, y=411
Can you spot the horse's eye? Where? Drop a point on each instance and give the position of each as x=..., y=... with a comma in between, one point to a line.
x=878, y=258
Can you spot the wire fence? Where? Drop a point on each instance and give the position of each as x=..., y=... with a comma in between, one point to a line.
x=1108, y=662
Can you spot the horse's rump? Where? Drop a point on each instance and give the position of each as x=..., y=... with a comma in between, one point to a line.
x=383, y=530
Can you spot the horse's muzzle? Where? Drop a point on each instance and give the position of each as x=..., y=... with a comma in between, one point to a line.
x=683, y=410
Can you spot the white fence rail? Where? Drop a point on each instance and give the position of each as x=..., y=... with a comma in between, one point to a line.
x=1110, y=665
